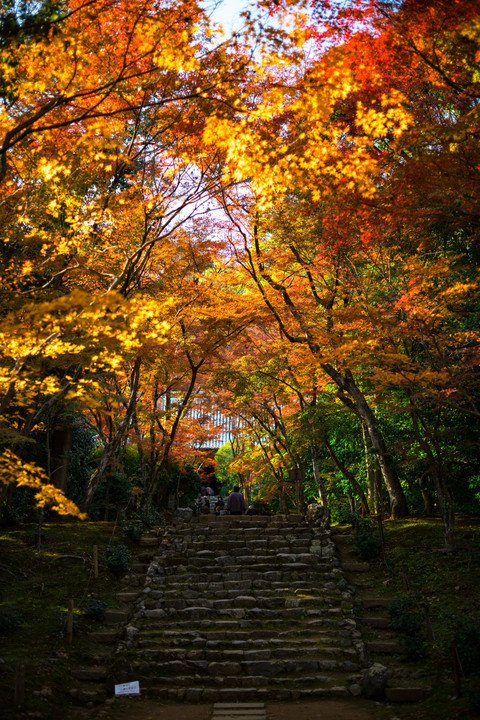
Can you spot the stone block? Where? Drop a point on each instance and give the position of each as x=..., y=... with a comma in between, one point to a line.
x=244, y=601
x=155, y=614
x=193, y=694
x=374, y=680
x=224, y=668
x=90, y=674
x=262, y=667
x=405, y=694
x=389, y=648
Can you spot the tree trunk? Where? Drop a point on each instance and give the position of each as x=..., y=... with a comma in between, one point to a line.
x=372, y=495
x=300, y=489
x=428, y=502
x=62, y=437
x=369, y=473
x=350, y=477
x=351, y=502
x=377, y=481
x=349, y=394
x=445, y=504
x=357, y=403
x=444, y=498
x=113, y=445
x=318, y=478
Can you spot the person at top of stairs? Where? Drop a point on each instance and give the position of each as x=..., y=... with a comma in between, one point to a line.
x=236, y=504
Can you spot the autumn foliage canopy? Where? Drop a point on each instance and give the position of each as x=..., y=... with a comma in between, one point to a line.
x=282, y=225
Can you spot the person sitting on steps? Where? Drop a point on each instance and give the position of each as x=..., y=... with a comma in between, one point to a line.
x=236, y=504
x=219, y=506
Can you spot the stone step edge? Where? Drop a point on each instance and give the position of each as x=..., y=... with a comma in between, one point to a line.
x=268, y=682
x=239, y=715
x=195, y=694
x=234, y=706
x=407, y=694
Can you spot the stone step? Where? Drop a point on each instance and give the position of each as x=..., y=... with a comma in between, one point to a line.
x=201, y=612
x=342, y=538
x=93, y=693
x=239, y=533
x=240, y=601
x=258, y=588
x=376, y=622
x=236, y=706
x=182, y=645
x=271, y=544
x=161, y=622
x=270, y=678
x=355, y=567
x=194, y=694
x=127, y=597
x=147, y=556
x=320, y=582
x=360, y=581
x=370, y=602
x=306, y=632
x=106, y=637
x=275, y=559
x=175, y=583
x=283, y=574
x=274, y=693
x=406, y=694
x=245, y=651
x=238, y=711
x=147, y=541
x=93, y=674
x=387, y=648
x=112, y=617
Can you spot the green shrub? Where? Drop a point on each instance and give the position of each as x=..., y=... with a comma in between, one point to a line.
x=467, y=638
x=117, y=558
x=472, y=692
x=466, y=633
x=95, y=610
x=406, y=621
x=18, y=509
x=10, y=620
x=365, y=540
x=342, y=514
x=134, y=531
x=150, y=517
x=63, y=620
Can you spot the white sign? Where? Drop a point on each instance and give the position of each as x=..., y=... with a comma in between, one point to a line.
x=131, y=688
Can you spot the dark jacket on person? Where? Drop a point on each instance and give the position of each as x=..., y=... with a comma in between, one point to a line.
x=236, y=502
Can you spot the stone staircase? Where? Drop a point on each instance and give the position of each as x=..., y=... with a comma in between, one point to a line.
x=92, y=683
x=407, y=682
x=243, y=609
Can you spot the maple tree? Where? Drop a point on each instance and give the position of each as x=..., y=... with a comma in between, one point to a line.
x=103, y=105
x=359, y=227
x=180, y=210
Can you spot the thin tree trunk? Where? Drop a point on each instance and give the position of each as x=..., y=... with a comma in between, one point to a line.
x=428, y=502
x=357, y=403
x=318, y=478
x=113, y=445
x=444, y=498
x=377, y=481
x=61, y=442
x=350, y=477
x=445, y=504
x=369, y=472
